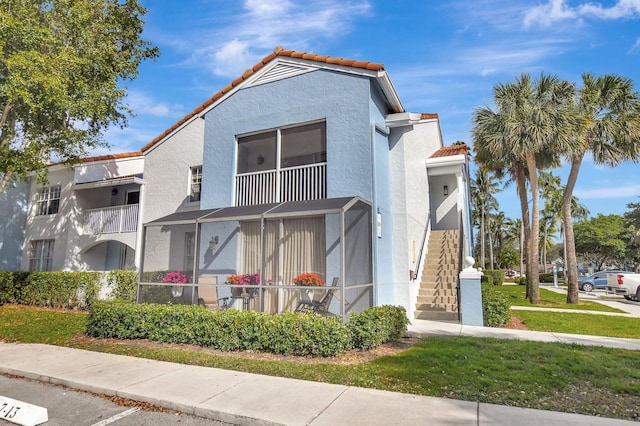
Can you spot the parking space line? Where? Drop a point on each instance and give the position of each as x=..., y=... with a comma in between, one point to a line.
x=117, y=417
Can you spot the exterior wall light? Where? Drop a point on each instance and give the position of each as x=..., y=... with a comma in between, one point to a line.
x=445, y=190
x=213, y=243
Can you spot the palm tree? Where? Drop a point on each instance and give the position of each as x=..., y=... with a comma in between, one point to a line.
x=553, y=207
x=607, y=124
x=483, y=188
x=515, y=232
x=550, y=214
x=519, y=132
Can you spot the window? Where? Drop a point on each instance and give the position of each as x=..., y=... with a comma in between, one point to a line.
x=48, y=200
x=285, y=164
x=41, y=255
x=303, y=145
x=189, y=251
x=299, y=146
x=133, y=197
x=196, y=184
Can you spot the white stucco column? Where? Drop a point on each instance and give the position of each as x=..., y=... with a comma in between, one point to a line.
x=139, y=233
x=470, y=294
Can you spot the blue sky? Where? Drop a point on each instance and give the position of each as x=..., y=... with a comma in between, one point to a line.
x=443, y=57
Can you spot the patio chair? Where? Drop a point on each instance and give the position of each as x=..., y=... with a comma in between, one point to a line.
x=321, y=306
x=208, y=296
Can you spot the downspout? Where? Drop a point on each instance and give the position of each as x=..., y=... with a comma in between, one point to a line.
x=374, y=212
x=384, y=131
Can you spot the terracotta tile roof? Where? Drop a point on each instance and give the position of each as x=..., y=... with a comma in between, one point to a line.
x=112, y=156
x=279, y=51
x=426, y=116
x=448, y=151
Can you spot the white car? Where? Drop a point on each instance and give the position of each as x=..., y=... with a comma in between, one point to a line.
x=627, y=285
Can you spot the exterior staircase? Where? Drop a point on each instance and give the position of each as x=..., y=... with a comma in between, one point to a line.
x=437, y=296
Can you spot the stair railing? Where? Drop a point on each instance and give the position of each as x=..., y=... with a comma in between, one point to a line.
x=422, y=246
x=460, y=253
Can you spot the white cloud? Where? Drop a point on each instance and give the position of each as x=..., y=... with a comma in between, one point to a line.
x=266, y=24
x=635, y=47
x=627, y=191
x=558, y=10
x=142, y=104
x=231, y=57
x=546, y=14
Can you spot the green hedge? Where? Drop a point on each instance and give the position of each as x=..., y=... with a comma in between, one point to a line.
x=547, y=277
x=229, y=330
x=496, y=274
x=486, y=279
x=124, y=284
x=521, y=280
x=495, y=306
x=68, y=290
x=375, y=326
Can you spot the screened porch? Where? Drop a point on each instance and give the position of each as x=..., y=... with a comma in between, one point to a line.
x=307, y=256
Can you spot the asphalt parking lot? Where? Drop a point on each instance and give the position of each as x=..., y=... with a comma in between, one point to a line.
x=69, y=407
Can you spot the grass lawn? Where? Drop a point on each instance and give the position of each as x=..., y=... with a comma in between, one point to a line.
x=594, y=325
x=549, y=299
x=551, y=376
x=34, y=325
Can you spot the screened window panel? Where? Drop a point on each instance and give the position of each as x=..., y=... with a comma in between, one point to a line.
x=257, y=153
x=303, y=145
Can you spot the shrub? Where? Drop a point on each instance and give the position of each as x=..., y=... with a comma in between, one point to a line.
x=486, y=279
x=521, y=280
x=495, y=306
x=289, y=333
x=68, y=290
x=547, y=277
x=11, y=284
x=375, y=326
x=124, y=284
x=496, y=274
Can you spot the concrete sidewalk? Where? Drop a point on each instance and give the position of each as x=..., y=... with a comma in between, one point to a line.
x=243, y=398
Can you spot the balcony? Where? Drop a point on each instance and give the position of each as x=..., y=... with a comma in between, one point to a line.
x=291, y=184
x=111, y=220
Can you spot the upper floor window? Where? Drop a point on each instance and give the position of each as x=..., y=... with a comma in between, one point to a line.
x=196, y=184
x=41, y=255
x=282, y=148
x=285, y=164
x=48, y=200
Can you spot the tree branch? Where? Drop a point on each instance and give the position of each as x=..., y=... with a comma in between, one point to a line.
x=3, y=120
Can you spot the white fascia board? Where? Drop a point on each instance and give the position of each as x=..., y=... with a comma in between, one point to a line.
x=390, y=91
x=108, y=182
x=402, y=119
x=445, y=165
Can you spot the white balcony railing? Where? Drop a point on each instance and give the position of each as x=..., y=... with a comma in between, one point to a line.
x=111, y=220
x=291, y=184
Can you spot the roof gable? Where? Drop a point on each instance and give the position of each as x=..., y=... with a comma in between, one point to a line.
x=283, y=64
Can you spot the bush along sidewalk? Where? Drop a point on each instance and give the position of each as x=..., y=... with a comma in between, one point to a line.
x=289, y=333
x=495, y=306
x=66, y=290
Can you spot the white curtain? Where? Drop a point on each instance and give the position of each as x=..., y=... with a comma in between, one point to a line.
x=303, y=251
x=293, y=246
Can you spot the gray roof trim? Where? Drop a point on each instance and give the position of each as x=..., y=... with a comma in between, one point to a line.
x=256, y=212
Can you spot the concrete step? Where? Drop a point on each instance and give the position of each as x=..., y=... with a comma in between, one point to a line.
x=431, y=292
x=437, y=315
x=425, y=303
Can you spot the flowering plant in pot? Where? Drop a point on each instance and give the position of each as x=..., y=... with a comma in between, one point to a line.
x=308, y=279
x=240, y=280
x=176, y=277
